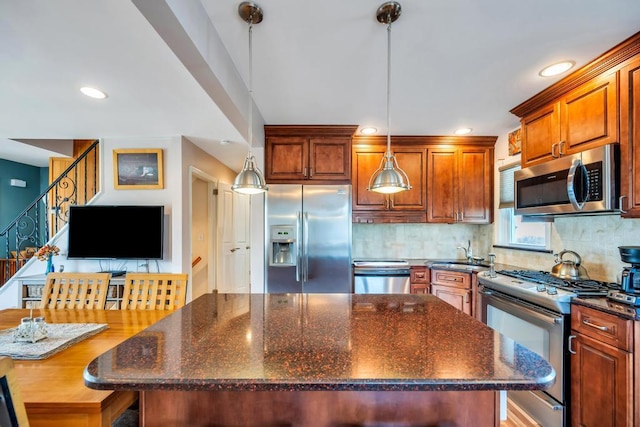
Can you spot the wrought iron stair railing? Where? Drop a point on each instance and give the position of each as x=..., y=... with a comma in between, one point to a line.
x=48, y=213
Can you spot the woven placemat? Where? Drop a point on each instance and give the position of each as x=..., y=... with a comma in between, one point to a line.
x=60, y=336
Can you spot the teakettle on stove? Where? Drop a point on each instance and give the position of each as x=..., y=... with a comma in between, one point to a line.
x=630, y=279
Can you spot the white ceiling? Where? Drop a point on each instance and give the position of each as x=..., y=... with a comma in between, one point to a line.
x=169, y=70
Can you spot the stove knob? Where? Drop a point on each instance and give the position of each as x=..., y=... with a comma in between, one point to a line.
x=552, y=290
x=541, y=288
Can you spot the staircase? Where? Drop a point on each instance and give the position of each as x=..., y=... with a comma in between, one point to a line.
x=77, y=184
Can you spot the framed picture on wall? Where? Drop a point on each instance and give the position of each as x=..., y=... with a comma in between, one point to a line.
x=515, y=139
x=138, y=169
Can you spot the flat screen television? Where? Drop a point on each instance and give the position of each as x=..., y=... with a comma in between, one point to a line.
x=115, y=232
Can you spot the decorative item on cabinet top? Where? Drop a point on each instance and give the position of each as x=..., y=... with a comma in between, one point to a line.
x=309, y=154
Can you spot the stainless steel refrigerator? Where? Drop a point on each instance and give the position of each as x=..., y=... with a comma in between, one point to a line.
x=308, y=238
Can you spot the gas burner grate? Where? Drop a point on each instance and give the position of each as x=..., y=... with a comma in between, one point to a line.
x=586, y=287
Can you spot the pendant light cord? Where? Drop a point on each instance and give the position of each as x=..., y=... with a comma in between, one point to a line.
x=389, y=88
x=250, y=84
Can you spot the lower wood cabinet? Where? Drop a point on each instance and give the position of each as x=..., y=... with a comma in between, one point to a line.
x=419, y=279
x=453, y=287
x=602, y=374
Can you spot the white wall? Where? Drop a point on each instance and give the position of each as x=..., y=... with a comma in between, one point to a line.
x=178, y=154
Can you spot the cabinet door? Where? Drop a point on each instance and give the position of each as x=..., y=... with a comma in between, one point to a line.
x=459, y=298
x=589, y=115
x=330, y=159
x=442, y=185
x=286, y=158
x=630, y=139
x=475, y=190
x=601, y=384
x=413, y=163
x=365, y=162
x=540, y=131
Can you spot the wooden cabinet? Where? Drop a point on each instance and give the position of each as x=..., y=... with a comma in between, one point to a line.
x=601, y=369
x=308, y=154
x=419, y=279
x=630, y=139
x=405, y=206
x=460, y=185
x=453, y=287
x=585, y=118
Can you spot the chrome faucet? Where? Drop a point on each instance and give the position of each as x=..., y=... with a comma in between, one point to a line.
x=468, y=252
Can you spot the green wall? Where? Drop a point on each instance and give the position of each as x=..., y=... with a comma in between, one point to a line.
x=14, y=200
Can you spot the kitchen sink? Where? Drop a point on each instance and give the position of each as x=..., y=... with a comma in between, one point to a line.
x=457, y=264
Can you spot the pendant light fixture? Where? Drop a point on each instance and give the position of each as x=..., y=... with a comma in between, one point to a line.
x=250, y=179
x=389, y=178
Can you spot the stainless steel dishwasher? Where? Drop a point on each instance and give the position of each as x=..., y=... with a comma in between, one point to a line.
x=381, y=277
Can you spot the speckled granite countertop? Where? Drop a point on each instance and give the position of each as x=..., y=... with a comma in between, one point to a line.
x=318, y=342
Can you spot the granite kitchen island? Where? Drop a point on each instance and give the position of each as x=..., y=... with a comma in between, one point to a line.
x=318, y=360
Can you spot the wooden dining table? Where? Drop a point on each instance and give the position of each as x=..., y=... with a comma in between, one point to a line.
x=53, y=389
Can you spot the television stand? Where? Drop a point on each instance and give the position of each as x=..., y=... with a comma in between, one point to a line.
x=115, y=273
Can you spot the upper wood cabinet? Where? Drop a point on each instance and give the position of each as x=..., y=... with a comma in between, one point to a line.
x=460, y=185
x=630, y=139
x=585, y=118
x=405, y=206
x=451, y=180
x=308, y=154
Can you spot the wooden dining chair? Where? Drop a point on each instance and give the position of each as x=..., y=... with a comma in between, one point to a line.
x=154, y=291
x=12, y=410
x=75, y=290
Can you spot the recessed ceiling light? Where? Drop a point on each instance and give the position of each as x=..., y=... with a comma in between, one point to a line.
x=463, y=131
x=555, y=69
x=368, y=131
x=93, y=92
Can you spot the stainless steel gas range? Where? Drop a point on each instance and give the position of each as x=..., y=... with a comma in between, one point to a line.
x=533, y=308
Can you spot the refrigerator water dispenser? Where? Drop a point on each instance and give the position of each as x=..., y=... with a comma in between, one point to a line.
x=283, y=245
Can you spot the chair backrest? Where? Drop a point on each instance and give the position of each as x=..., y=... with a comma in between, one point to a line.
x=12, y=410
x=154, y=291
x=75, y=290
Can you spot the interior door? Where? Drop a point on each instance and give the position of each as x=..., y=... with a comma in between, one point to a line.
x=233, y=237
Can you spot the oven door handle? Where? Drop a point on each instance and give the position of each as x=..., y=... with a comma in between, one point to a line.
x=547, y=401
x=525, y=310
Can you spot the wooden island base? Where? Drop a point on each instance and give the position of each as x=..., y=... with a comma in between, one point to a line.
x=319, y=408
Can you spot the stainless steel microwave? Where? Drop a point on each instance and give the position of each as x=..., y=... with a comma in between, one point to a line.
x=583, y=183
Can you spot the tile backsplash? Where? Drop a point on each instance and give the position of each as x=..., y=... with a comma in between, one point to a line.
x=594, y=238
x=428, y=241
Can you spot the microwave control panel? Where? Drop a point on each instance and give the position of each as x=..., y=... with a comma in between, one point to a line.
x=594, y=175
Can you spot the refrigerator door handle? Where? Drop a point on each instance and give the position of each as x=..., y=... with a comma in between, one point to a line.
x=299, y=246
x=305, y=242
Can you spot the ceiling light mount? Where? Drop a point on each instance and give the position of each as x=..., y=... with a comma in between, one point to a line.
x=250, y=12
x=389, y=12
x=250, y=180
